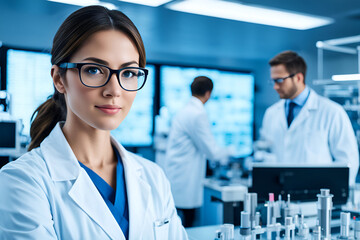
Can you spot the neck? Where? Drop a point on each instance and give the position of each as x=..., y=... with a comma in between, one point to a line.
x=299, y=90
x=91, y=146
x=203, y=99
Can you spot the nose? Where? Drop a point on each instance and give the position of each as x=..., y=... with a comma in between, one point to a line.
x=276, y=86
x=112, y=88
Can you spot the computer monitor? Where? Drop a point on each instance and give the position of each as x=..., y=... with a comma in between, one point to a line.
x=302, y=181
x=230, y=108
x=9, y=137
x=28, y=81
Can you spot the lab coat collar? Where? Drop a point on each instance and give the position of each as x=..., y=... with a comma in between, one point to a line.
x=310, y=106
x=197, y=102
x=63, y=166
x=313, y=101
x=59, y=157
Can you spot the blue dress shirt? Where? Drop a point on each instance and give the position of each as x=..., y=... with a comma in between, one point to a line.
x=115, y=200
x=300, y=101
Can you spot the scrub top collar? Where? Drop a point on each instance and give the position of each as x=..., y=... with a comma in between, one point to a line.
x=116, y=200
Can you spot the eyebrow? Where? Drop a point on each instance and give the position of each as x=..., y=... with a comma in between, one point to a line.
x=103, y=62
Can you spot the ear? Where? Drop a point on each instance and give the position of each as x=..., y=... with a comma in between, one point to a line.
x=300, y=77
x=57, y=79
x=208, y=94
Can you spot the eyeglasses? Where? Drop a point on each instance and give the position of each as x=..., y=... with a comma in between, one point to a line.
x=280, y=80
x=96, y=75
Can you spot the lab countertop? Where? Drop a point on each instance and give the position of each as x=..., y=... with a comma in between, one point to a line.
x=226, y=191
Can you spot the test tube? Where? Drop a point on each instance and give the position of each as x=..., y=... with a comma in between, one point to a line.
x=270, y=209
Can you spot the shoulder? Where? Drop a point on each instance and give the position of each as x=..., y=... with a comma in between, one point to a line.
x=275, y=108
x=329, y=106
x=31, y=164
x=25, y=178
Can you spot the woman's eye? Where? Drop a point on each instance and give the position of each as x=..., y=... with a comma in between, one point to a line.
x=93, y=70
x=128, y=74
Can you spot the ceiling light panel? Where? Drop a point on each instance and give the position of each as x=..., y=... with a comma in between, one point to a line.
x=346, y=77
x=252, y=14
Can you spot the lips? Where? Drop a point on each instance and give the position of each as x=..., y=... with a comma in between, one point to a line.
x=109, y=109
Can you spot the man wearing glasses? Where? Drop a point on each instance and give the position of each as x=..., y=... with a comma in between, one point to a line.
x=304, y=127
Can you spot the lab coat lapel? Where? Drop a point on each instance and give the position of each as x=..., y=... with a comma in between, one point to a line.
x=310, y=105
x=63, y=166
x=282, y=116
x=138, y=192
x=85, y=194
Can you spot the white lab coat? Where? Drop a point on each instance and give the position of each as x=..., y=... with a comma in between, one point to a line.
x=45, y=194
x=320, y=133
x=190, y=143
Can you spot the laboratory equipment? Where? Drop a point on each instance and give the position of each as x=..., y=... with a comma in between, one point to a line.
x=226, y=232
x=294, y=225
x=250, y=205
x=245, y=227
x=345, y=226
x=301, y=181
x=289, y=228
x=4, y=101
x=357, y=230
x=303, y=228
x=317, y=233
x=324, y=212
x=10, y=137
x=222, y=202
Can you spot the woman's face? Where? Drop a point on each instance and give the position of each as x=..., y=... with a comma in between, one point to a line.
x=105, y=107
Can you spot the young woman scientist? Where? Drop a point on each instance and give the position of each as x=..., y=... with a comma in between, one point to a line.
x=77, y=182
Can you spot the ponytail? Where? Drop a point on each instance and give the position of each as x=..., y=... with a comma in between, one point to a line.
x=47, y=115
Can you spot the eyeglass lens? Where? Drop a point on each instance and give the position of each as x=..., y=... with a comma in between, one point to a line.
x=96, y=76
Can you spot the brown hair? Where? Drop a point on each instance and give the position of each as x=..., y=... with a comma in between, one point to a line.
x=74, y=31
x=292, y=61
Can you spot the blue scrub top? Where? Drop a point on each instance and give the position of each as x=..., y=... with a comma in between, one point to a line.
x=115, y=200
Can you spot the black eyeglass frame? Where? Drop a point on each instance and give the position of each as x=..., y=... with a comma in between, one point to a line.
x=281, y=80
x=68, y=65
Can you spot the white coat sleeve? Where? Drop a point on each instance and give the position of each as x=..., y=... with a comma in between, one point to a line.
x=204, y=139
x=24, y=207
x=176, y=230
x=343, y=144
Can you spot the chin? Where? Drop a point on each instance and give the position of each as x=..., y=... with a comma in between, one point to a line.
x=107, y=125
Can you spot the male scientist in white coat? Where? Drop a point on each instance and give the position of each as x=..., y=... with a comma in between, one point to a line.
x=190, y=144
x=304, y=127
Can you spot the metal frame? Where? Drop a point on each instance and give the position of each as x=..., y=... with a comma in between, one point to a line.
x=335, y=46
